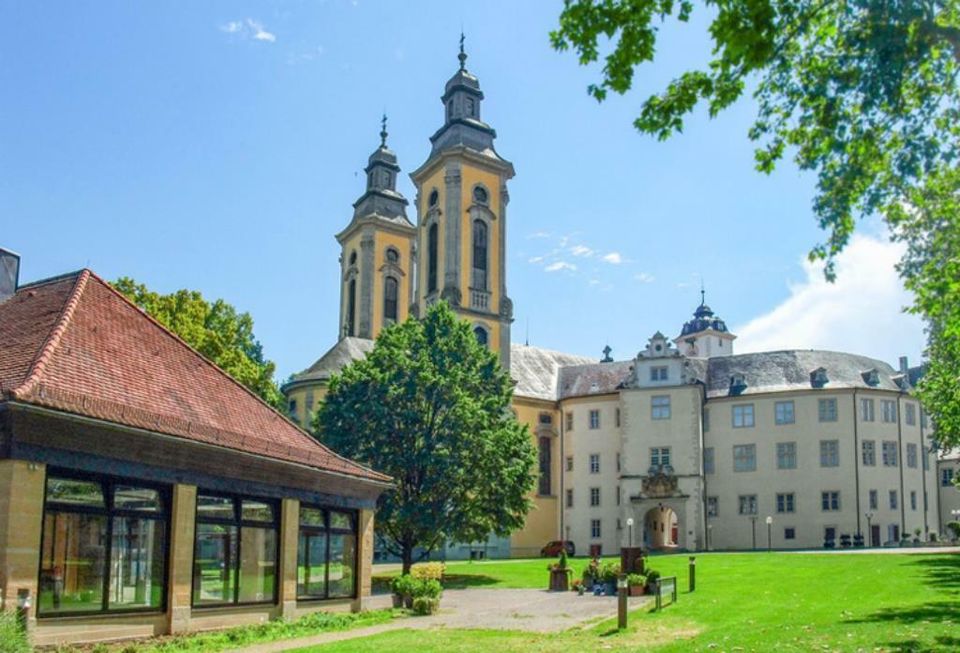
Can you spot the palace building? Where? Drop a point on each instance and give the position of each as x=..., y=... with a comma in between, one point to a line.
x=686, y=445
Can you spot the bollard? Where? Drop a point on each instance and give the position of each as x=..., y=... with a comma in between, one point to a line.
x=693, y=573
x=622, y=602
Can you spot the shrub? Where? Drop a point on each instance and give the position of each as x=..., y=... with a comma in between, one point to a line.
x=954, y=528
x=592, y=571
x=428, y=571
x=424, y=605
x=403, y=585
x=428, y=588
x=563, y=559
x=636, y=580
x=12, y=637
x=609, y=572
x=652, y=577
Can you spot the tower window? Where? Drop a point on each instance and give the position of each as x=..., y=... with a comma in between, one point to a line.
x=449, y=109
x=471, y=107
x=481, y=335
x=434, y=198
x=390, y=299
x=393, y=256
x=352, y=306
x=479, y=254
x=432, y=259
x=353, y=258
x=480, y=195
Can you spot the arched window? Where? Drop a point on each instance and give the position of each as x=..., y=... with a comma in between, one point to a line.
x=481, y=335
x=479, y=255
x=353, y=258
x=393, y=256
x=390, y=299
x=432, y=258
x=352, y=307
x=434, y=198
x=545, y=481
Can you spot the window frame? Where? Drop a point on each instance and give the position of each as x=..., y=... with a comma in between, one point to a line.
x=745, y=447
x=107, y=484
x=827, y=409
x=781, y=415
x=786, y=451
x=743, y=411
x=830, y=453
x=327, y=530
x=594, y=468
x=660, y=407
x=594, y=419
x=787, y=501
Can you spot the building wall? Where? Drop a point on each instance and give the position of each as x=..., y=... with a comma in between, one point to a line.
x=542, y=522
x=949, y=493
x=308, y=397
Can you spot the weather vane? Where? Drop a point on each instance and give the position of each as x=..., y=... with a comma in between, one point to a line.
x=383, y=130
x=463, y=55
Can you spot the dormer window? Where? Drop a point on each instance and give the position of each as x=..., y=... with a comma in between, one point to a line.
x=819, y=378
x=738, y=384
x=871, y=377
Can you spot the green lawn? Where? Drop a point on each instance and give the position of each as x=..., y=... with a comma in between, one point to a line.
x=743, y=602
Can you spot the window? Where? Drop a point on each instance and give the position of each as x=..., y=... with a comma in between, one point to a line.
x=829, y=533
x=569, y=463
x=617, y=417
x=744, y=457
x=866, y=410
x=893, y=499
x=706, y=420
x=292, y=409
x=829, y=453
x=658, y=373
x=618, y=461
x=893, y=532
x=713, y=506
x=434, y=198
x=660, y=407
x=925, y=457
x=660, y=456
x=946, y=477
x=708, y=460
x=390, y=299
x=789, y=533
x=392, y=255
x=479, y=253
x=869, y=453
x=309, y=402
x=594, y=463
x=569, y=498
x=545, y=418
x=432, y=244
x=874, y=500
x=545, y=480
x=594, y=496
x=910, y=413
x=235, y=551
x=479, y=192
x=326, y=554
x=913, y=499
x=827, y=409
x=618, y=495
x=889, y=453
x=747, y=504
x=830, y=501
x=104, y=545
x=742, y=416
x=595, y=528
x=594, y=419
x=569, y=419
x=786, y=455
x=888, y=410
x=481, y=335
x=785, y=502
x=783, y=412
x=352, y=307
x=911, y=455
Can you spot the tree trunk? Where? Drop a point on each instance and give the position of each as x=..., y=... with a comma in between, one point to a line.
x=407, y=557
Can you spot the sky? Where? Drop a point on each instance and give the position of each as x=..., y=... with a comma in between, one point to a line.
x=219, y=146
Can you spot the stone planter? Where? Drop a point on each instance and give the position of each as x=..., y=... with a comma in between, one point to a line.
x=637, y=590
x=560, y=580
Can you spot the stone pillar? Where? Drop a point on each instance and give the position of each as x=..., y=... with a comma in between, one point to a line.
x=289, y=540
x=21, y=520
x=364, y=561
x=180, y=575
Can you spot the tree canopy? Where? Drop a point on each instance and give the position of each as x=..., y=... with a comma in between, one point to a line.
x=214, y=329
x=861, y=92
x=430, y=406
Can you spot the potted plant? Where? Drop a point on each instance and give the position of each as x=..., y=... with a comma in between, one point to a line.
x=560, y=574
x=916, y=535
x=954, y=528
x=578, y=587
x=652, y=577
x=609, y=571
x=636, y=584
x=590, y=575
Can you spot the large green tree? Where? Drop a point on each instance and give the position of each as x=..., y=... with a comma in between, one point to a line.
x=862, y=92
x=215, y=329
x=430, y=406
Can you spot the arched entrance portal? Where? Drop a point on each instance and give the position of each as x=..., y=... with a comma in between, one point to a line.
x=661, y=528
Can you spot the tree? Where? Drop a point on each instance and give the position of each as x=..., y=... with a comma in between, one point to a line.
x=863, y=92
x=215, y=330
x=430, y=406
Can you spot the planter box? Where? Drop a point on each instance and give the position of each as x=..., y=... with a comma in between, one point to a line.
x=560, y=580
x=637, y=590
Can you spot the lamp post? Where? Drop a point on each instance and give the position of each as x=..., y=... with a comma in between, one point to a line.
x=769, y=533
x=630, y=529
x=869, y=516
x=753, y=530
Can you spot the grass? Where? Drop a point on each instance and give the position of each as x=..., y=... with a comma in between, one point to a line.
x=743, y=602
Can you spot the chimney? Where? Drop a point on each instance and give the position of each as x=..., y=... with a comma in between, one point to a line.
x=9, y=274
x=904, y=365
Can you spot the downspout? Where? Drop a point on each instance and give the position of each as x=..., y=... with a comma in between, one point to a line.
x=562, y=499
x=903, y=513
x=924, y=468
x=857, y=459
x=703, y=473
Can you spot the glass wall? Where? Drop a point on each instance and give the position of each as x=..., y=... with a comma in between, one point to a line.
x=104, y=545
x=235, y=555
x=327, y=554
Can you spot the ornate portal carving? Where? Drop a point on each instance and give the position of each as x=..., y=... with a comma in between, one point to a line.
x=659, y=485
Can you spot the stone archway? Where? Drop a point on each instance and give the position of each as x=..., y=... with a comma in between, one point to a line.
x=661, y=528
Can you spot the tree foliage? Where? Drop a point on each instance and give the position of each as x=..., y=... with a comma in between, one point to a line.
x=215, y=330
x=862, y=92
x=430, y=406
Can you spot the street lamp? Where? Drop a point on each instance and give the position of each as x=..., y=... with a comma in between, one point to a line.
x=769, y=533
x=869, y=516
x=753, y=527
x=630, y=528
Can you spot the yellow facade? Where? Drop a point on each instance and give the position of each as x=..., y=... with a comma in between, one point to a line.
x=541, y=525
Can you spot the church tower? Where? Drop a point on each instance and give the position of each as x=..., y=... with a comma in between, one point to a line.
x=378, y=252
x=706, y=335
x=462, y=217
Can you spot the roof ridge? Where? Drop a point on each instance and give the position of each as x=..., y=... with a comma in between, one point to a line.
x=53, y=340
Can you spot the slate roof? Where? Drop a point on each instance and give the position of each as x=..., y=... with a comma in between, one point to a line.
x=537, y=371
x=337, y=357
x=74, y=344
x=594, y=379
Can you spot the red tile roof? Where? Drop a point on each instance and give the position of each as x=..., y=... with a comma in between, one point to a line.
x=76, y=345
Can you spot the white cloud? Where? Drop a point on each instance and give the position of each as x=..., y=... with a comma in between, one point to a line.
x=260, y=34
x=249, y=28
x=539, y=234
x=535, y=259
x=232, y=27
x=643, y=277
x=581, y=250
x=561, y=265
x=859, y=313
x=613, y=258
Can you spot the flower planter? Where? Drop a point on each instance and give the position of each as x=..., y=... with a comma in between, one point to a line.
x=610, y=588
x=636, y=590
x=560, y=580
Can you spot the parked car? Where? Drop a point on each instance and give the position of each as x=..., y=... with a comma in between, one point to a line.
x=554, y=548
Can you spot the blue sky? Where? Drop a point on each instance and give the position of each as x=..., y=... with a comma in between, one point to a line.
x=217, y=146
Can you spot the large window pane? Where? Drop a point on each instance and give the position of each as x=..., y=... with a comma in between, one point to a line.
x=312, y=564
x=312, y=517
x=256, y=511
x=136, y=563
x=73, y=562
x=258, y=562
x=342, y=520
x=75, y=492
x=126, y=497
x=343, y=558
x=212, y=507
x=213, y=574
